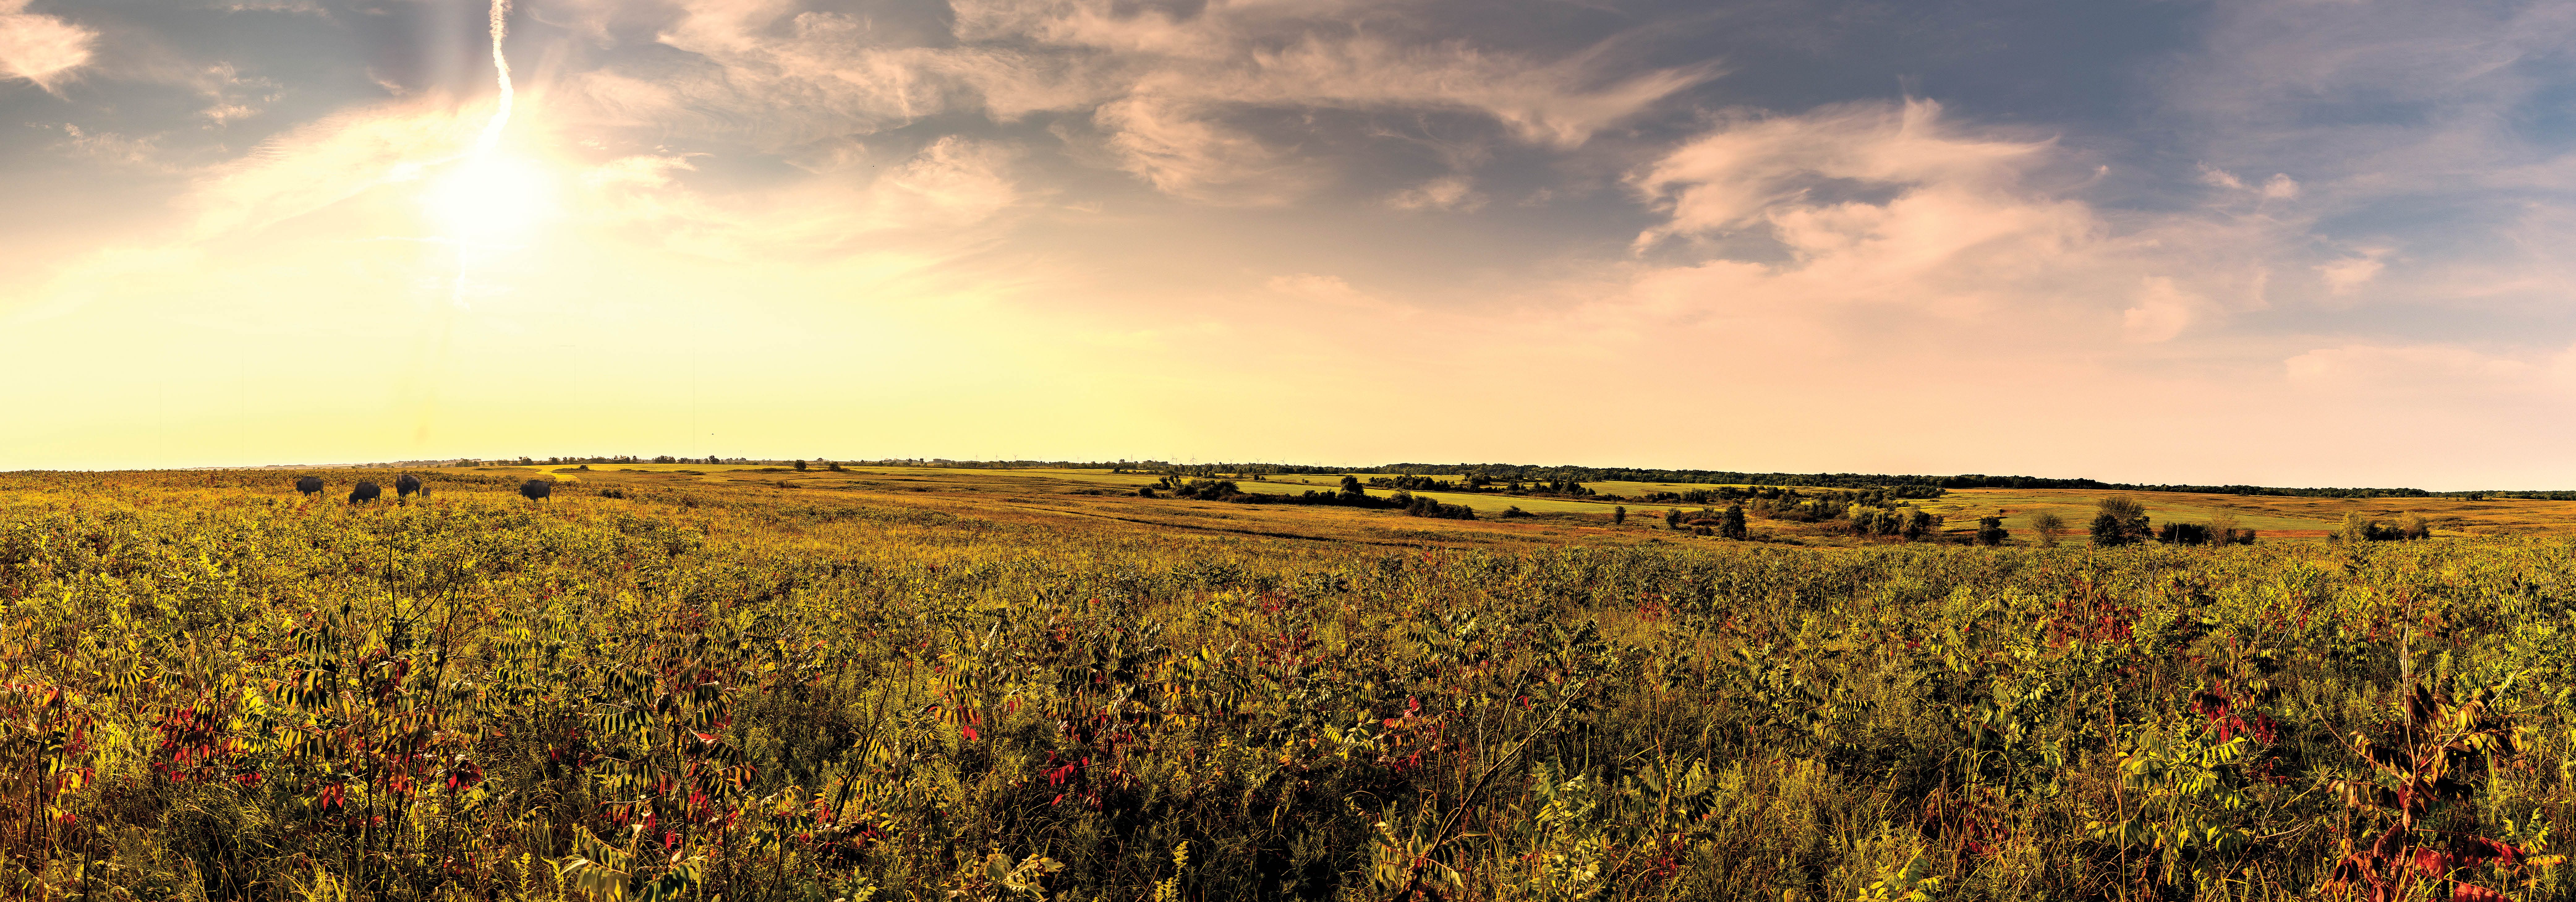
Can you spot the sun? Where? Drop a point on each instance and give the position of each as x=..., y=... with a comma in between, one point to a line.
x=491, y=198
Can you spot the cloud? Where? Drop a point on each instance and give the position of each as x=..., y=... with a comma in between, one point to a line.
x=1184, y=153
x=1731, y=176
x=1448, y=192
x=2350, y=273
x=2279, y=187
x=41, y=49
x=1871, y=204
x=2162, y=311
x=115, y=149
x=943, y=203
x=1170, y=94
x=229, y=96
x=322, y=163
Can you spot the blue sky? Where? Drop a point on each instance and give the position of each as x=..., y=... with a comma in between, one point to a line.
x=2291, y=242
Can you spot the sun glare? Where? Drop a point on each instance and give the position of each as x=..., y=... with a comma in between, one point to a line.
x=491, y=197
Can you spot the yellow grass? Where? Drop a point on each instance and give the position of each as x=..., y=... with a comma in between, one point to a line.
x=1101, y=493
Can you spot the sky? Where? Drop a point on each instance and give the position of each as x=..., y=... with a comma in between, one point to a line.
x=2277, y=242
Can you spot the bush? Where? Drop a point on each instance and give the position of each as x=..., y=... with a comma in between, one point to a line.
x=2120, y=520
x=2049, y=526
x=2183, y=534
x=1991, y=532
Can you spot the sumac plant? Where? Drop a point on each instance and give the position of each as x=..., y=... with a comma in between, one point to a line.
x=2414, y=827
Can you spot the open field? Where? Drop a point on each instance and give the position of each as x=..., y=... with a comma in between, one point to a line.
x=2276, y=518
x=917, y=684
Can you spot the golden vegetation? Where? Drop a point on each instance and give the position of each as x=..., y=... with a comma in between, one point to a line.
x=897, y=685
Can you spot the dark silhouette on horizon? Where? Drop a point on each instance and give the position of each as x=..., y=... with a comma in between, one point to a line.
x=366, y=491
x=310, y=485
x=536, y=489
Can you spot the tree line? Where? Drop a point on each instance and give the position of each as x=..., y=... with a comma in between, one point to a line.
x=1490, y=474
x=1350, y=494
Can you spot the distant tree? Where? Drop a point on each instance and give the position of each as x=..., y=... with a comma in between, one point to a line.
x=2356, y=528
x=1514, y=511
x=1618, y=515
x=2414, y=526
x=1990, y=531
x=800, y=465
x=836, y=467
x=2126, y=508
x=1427, y=506
x=2120, y=520
x=2108, y=531
x=2049, y=526
x=2183, y=534
x=1731, y=524
x=1672, y=518
x=1919, y=524
x=1351, y=488
x=2222, y=528
x=1144, y=491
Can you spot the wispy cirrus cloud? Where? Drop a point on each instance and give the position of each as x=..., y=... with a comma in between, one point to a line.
x=41, y=48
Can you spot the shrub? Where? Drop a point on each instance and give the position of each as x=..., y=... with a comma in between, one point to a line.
x=2183, y=534
x=2119, y=520
x=2049, y=526
x=1990, y=531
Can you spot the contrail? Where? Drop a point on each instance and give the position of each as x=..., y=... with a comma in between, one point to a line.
x=491, y=137
x=500, y=62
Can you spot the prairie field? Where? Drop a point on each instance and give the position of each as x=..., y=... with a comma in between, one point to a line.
x=749, y=683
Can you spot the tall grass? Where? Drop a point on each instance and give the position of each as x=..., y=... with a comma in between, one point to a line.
x=214, y=690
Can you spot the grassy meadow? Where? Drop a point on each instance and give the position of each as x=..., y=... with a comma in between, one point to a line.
x=749, y=683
